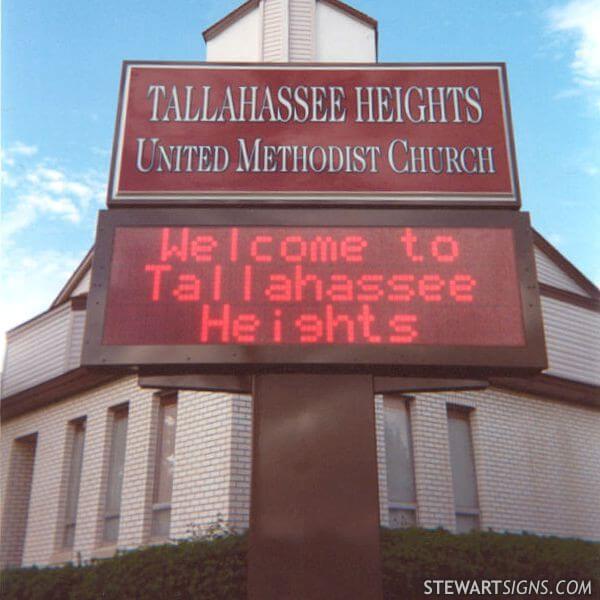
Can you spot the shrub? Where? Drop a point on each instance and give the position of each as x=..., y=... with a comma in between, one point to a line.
x=216, y=569
x=414, y=555
x=211, y=570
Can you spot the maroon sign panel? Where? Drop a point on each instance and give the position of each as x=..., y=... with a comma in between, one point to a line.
x=406, y=287
x=425, y=134
x=312, y=285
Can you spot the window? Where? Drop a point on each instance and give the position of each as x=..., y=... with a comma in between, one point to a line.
x=164, y=467
x=77, y=432
x=399, y=461
x=114, y=484
x=464, y=481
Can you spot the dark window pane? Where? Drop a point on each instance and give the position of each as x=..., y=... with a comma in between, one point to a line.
x=398, y=452
x=116, y=467
x=161, y=522
x=466, y=523
x=74, y=482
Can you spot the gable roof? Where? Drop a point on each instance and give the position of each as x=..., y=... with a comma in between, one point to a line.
x=353, y=12
x=565, y=265
x=80, y=272
x=229, y=18
x=246, y=7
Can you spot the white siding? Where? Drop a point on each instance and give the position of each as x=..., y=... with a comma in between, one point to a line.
x=83, y=287
x=76, y=341
x=551, y=274
x=43, y=349
x=340, y=37
x=239, y=42
x=301, y=42
x=572, y=341
x=36, y=352
x=275, y=31
x=295, y=31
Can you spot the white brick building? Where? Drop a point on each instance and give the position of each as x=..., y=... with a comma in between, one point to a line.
x=91, y=462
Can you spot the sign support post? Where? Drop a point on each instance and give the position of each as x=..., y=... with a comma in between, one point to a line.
x=314, y=516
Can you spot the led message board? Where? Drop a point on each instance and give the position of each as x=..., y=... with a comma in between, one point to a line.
x=401, y=133
x=373, y=290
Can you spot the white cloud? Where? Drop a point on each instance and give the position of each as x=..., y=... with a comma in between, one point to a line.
x=580, y=20
x=8, y=158
x=63, y=207
x=568, y=93
x=15, y=220
x=23, y=149
x=36, y=190
x=36, y=187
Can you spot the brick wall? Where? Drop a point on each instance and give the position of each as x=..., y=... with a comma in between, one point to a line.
x=431, y=452
x=202, y=462
x=241, y=462
x=202, y=483
x=537, y=462
x=384, y=514
x=19, y=468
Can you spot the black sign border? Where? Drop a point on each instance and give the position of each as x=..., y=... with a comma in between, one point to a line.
x=329, y=198
x=386, y=359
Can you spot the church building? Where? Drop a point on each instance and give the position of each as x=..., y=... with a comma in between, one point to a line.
x=92, y=463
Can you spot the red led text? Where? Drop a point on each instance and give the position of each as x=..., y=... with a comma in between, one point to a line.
x=310, y=285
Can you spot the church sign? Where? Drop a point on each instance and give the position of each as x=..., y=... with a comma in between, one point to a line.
x=415, y=134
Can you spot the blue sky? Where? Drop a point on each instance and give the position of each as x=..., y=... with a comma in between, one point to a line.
x=60, y=77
